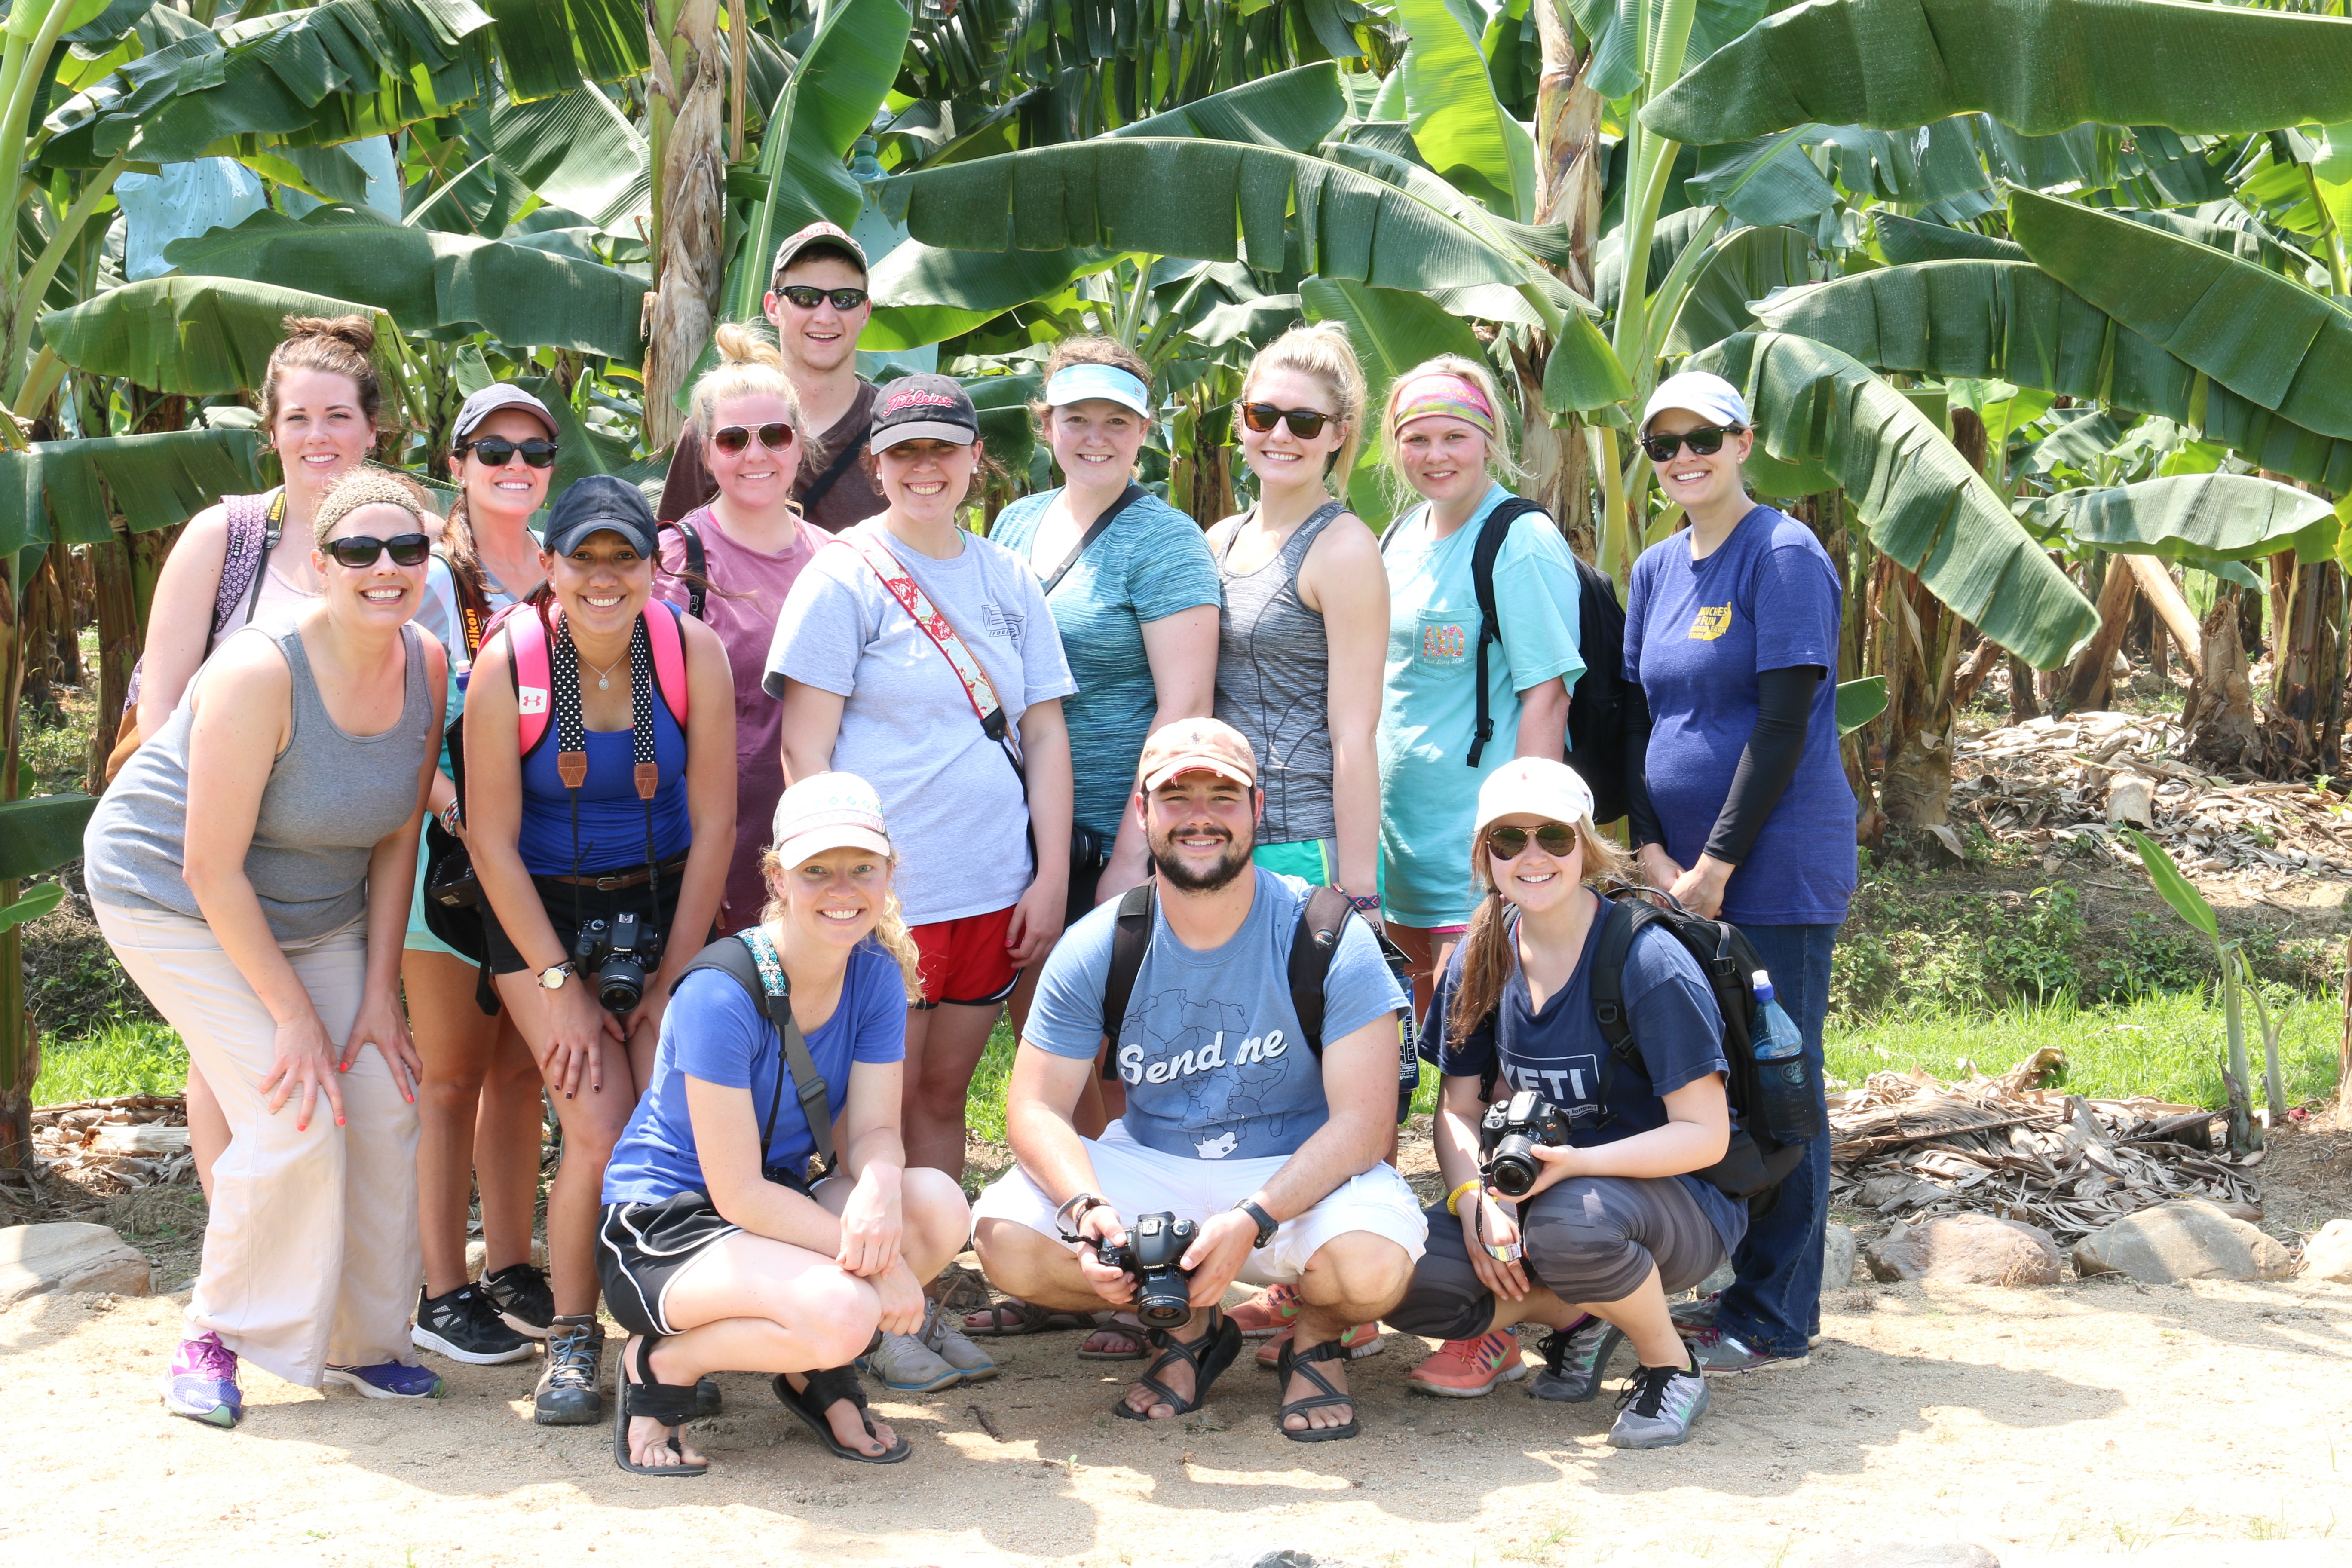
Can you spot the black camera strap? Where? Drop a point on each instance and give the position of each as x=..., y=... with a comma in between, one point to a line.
x=750, y=959
x=572, y=742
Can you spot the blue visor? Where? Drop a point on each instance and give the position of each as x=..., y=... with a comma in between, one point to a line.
x=1080, y=383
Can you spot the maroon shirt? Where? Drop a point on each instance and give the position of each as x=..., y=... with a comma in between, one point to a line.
x=852, y=496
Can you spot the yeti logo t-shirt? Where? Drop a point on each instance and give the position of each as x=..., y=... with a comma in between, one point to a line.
x=1209, y=1050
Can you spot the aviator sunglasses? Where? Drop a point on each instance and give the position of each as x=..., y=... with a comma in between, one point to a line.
x=775, y=435
x=807, y=298
x=1304, y=422
x=1510, y=843
x=358, y=550
x=1706, y=441
x=498, y=451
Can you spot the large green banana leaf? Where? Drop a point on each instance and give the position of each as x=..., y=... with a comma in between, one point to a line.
x=2197, y=519
x=2038, y=66
x=1392, y=331
x=201, y=337
x=2011, y=319
x=1611, y=25
x=1462, y=129
x=830, y=100
x=2273, y=341
x=58, y=490
x=43, y=833
x=428, y=280
x=577, y=151
x=550, y=46
x=1908, y=240
x=1925, y=508
x=1747, y=264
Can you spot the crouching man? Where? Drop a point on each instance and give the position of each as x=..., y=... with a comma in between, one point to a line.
x=1261, y=1133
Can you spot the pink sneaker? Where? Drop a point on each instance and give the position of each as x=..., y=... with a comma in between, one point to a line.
x=1272, y=1313
x=1359, y=1342
x=202, y=1383
x=1469, y=1369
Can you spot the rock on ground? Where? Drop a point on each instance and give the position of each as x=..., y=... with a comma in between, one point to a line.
x=1837, y=1258
x=38, y=1259
x=2329, y=1254
x=1966, y=1249
x=1280, y=1557
x=2187, y=1239
x=1908, y=1554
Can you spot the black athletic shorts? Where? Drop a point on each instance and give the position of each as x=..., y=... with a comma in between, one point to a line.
x=594, y=904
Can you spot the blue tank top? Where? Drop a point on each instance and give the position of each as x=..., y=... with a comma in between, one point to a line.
x=612, y=817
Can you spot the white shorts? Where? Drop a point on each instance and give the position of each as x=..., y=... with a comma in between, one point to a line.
x=1136, y=1180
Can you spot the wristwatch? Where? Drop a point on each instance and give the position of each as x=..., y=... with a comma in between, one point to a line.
x=1266, y=1224
x=553, y=979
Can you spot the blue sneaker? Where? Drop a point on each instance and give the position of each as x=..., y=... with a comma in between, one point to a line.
x=390, y=1380
x=202, y=1383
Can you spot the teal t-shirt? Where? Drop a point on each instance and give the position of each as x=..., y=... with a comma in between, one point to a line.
x=1428, y=796
x=1150, y=563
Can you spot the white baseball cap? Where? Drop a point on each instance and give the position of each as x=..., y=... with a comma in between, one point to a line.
x=1702, y=393
x=1536, y=785
x=829, y=811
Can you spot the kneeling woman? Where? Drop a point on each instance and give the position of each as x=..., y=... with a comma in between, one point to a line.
x=1615, y=1221
x=716, y=1252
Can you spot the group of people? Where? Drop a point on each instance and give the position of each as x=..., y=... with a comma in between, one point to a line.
x=768, y=807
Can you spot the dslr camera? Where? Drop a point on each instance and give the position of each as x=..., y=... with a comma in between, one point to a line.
x=618, y=952
x=1510, y=1134
x=1153, y=1252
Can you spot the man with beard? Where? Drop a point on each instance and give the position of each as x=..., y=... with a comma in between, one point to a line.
x=1235, y=1120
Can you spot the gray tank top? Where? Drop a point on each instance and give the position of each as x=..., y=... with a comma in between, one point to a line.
x=1273, y=682
x=331, y=798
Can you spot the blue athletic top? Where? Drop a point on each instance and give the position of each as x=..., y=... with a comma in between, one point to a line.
x=612, y=817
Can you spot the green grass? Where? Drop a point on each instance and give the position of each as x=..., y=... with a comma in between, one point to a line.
x=132, y=1057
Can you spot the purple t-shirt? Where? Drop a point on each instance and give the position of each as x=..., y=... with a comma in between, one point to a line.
x=1697, y=634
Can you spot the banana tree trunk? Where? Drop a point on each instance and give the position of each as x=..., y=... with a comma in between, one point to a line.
x=2219, y=717
x=20, y=1049
x=124, y=571
x=1920, y=654
x=2090, y=680
x=2305, y=718
x=685, y=123
x=1568, y=159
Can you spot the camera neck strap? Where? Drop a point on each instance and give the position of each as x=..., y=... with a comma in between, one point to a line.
x=808, y=1085
x=572, y=739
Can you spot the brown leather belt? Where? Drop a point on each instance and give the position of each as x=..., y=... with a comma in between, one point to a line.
x=607, y=881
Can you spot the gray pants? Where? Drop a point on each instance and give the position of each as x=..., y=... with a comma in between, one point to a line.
x=1588, y=1240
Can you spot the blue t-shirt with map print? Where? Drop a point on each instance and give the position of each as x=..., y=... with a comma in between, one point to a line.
x=1210, y=1048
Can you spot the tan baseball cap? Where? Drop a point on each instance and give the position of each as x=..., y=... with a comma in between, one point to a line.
x=1191, y=743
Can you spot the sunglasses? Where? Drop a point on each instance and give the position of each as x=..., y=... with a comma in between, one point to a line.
x=1706, y=441
x=1304, y=422
x=498, y=452
x=1510, y=843
x=808, y=298
x=357, y=550
x=775, y=435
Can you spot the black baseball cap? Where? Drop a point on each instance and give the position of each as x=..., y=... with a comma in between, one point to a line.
x=491, y=399
x=923, y=409
x=597, y=504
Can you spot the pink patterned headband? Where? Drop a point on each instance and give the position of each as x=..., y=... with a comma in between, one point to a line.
x=1444, y=393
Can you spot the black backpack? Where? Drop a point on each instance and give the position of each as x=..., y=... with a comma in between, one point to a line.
x=1761, y=1155
x=1596, y=710
x=1312, y=943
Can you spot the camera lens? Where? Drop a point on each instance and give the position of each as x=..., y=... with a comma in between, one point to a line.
x=1514, y=1170
x=1163, y=1302
x=620, y=985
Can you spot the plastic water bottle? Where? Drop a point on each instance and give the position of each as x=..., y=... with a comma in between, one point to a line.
x=1791, y=1102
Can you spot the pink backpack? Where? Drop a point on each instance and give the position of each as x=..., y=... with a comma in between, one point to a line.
x=529, y=664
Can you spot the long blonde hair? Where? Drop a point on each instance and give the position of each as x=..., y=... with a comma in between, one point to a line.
x=1323, y=352
x=1501, y=466
x=748, y=366
x=1488, y=950
x=890, y=927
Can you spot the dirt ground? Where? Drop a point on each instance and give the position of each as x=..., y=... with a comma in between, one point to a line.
x=2084, y=1422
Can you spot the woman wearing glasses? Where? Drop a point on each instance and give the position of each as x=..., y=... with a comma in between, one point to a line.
x=481, y=1112
x=251, y=867
x=1740, y=807
x=1613, y=1220
x=731, y=563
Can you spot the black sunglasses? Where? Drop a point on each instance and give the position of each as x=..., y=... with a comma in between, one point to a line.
x=1304, y=422
x=807, y=298
x=358, y=550
x=775, y=435
x=498, y=451
x=1706, y=441
x=1510, y=843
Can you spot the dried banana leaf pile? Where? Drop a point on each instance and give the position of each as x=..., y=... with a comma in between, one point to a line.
x=116, y=1145
x=1907, y=1143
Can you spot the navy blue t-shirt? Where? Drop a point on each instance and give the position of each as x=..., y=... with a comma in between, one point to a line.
x=1697, y=634
x=1557, y=1051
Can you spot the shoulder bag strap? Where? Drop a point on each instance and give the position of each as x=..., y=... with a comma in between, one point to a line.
x=1127, y=497
x=822, y=486
x=808, y=1084
x=1312, y=942
x=978, y=689
x=698, y=566
x=1130, y=938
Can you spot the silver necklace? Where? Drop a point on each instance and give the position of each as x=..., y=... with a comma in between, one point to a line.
x=604, y=676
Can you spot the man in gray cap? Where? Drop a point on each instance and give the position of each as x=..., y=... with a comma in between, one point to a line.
x=817, y=302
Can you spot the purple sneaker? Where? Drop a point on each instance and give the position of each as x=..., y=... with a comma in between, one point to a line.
x=202, y=1383
x=390, y=1380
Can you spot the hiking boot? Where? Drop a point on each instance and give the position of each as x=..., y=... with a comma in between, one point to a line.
x=904, y=1364
x=568, y=1393
x=1359, y=1342
x=941, y=1335
x=1658, y=1406
x=1468, y=1369
x=1574, y=1359
x=1272, y=1313
x=519, y=1295
x=202, y=1383
x=463, y=1326
x=1715, y=1350
x=1695, y=1314
x=389, y=1380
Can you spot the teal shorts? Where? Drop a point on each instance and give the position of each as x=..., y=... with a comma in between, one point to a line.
x=1315, y=861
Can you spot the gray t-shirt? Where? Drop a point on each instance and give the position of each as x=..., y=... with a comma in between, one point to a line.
x=956, y=811
x=1210, y=1048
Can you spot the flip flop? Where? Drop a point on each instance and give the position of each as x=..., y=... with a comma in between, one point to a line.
x=1208, y=1356
x=825, y=1389
x=1302, y=1363
x=1013, y=1317
x=671, y=1404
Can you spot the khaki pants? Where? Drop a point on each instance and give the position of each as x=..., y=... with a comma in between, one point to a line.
x=311, y=1255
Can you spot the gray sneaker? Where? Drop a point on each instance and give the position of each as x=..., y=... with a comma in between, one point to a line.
x=941, y=1335
x=1574, y=1359
x=906, y=1365
x=1695, y=1314
x=1713, y=1350
x=1658, y=1406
